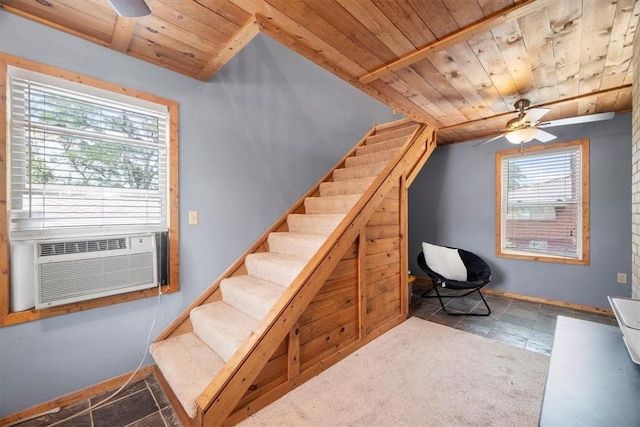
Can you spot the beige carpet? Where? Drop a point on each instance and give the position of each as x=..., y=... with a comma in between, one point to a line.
x=419, y=374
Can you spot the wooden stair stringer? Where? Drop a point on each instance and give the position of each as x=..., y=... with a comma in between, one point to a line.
x=220, y=398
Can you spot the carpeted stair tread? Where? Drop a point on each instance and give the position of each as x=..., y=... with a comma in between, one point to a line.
x=322, y=224
x=252, y=295
x=278, y=268
x=295, y=244
x=389, y=144
x=350, y=186
x=390, y=134
x=222, y=327
x=188, y=365
x=380, y=156
x=330, y=204
x=355, y=172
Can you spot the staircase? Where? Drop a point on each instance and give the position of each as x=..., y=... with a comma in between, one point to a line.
x=240, y=345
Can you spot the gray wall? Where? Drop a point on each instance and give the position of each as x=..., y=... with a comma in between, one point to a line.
x=452, y=202
x=252, y=141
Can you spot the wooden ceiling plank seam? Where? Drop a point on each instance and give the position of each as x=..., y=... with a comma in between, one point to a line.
x=122, y=32
x=407, y=92
x=407, y=21
x=508, y=38
x=464, y=12
x=623, y=103
x=429, y=73
x=148, y=50
x=297, y=44
x=228, y=10
x=446, y=66
x=172, y=46
x=629, y=38
x=456, y=37
x=436, y=16
x=606, y=103
x=596, y=24
x=536, y=29
x=486, y=50
x=566, y=29
x=436, y=102
x=182, y=37
x=188, y=22
x=78, y=29
x=490, y=7
x=303, y=16
x=199, y=12
x=343, y=21
x=406, y=106
x=619, y=55
x=469, y=64
x=235, y=45
x=379, y=25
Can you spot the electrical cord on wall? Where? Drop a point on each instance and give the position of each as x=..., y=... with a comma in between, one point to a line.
x=114, y=394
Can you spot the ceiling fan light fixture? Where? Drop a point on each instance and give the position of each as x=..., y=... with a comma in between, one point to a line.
x=130, y=8
x=520, y=136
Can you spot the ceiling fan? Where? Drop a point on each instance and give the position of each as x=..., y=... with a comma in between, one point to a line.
x=527, y=126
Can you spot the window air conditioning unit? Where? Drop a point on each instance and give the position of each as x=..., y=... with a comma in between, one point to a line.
x=73, y=270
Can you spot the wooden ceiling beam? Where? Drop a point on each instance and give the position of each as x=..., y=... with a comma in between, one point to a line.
x=122, y=33
x=248, y=31
x=502, y=16
x=550, y=104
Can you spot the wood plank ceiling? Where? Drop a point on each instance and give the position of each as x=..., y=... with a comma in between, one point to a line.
x=459, y=65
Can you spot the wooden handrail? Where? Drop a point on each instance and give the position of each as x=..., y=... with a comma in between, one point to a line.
x=222, y=395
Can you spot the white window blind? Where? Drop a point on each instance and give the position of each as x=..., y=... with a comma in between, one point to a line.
x=84, y=162
x=542, y=203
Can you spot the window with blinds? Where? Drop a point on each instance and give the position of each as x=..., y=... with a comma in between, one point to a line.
x=543, y=203
x=84, y=161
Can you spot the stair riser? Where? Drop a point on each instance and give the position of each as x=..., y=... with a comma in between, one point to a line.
x=367, y=171
x=310, y=224
x=387, y=135
x=272, y=271
x=303, y=248
x=381, y=146
x=330, y=205
x=383, y=156
x=341, y=188
x=251, y=299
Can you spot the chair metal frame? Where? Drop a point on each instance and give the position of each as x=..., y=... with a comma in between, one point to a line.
x=478, y=275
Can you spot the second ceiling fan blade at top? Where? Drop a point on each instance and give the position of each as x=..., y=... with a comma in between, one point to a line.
x=533, y=115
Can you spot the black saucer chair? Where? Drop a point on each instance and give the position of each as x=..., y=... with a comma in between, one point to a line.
x=478, y=275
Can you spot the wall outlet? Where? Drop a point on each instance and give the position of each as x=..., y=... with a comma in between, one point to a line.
x=622, y=278
x=193, y=217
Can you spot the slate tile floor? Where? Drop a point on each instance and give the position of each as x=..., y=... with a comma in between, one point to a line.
x=141, y=404
x=523, y=324
x=519, y=323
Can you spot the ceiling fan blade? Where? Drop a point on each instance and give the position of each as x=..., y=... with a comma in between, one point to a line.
x=533, y=115
x=488, y=140
x=543, y=136
x=578, y=119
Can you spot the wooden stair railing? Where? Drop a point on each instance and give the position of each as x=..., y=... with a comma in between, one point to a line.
x=222, y=395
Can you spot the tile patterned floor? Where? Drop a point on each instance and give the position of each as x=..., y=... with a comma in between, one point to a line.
x=519, y=323
x=141, y=404
x=523, y=324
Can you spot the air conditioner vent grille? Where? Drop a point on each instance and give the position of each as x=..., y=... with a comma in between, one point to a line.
x=81, y=246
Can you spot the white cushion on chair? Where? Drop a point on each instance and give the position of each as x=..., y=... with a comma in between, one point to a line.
x=445, y=261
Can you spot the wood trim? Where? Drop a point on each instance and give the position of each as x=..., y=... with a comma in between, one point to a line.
x=550, y=104
x=521, y=297
x=362, y=296
x=585, y=252
x=122, y=33
x=74, y=397
x=293, y=352
x=404, y=243
x=507, y=14
x=8, y=318
x=240, y=40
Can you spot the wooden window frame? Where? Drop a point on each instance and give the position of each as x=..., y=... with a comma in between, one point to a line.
x=11, y=318
x=585, y=255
